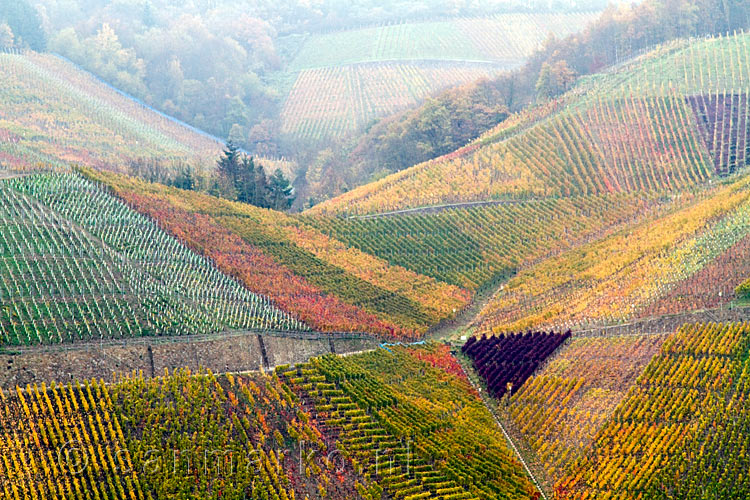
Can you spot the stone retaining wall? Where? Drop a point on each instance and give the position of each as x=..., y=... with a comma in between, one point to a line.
x=232, y=353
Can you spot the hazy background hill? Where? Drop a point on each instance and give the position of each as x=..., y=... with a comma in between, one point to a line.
x=333, y=86
x=289, y=78
x=450, y=121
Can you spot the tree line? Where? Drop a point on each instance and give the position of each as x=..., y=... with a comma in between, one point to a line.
x=241, y=179
x=237, y=177
x=20, y=26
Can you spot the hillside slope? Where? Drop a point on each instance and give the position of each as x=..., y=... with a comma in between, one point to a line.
x=669, y=120
x=501, y=38
x=308, y=432
x=77, y=264
x=52, y=112
x=690, y=258
x=687, y=413
x=344, y=80
x=474, y=247
x=325, y=283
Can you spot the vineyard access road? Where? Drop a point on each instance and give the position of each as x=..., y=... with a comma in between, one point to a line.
x=487, y=400
x=448, y=206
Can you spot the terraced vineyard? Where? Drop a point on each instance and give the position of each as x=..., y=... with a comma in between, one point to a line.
x=687, y=414
x=631, y=129
x=335, y=101
x=51, y=112
x=692, y=257
x=722, y=120
x=471, y=247
x=506, y=362
x=502, y=38
x=323, y=282
x=335, y=428
x=375, y=406
x=78, y=264
x=90, y=440
x=346, y=79
x=560, y=410
x=561, y=247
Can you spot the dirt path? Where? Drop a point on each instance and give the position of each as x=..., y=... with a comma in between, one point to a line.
x=448, y=206
x=532, y=468
x=453, y=330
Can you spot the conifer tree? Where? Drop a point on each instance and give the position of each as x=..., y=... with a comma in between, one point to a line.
x=261, y=187
x=228, y=164
x=246, y=188
x=281, y=193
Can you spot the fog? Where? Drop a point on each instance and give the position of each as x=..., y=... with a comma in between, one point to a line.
x=288, y=79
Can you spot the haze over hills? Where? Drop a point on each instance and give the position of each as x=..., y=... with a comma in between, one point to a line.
x=257, y=72
x=663, y=122
x=347, y=79
x=555, y=309
x=55, y=113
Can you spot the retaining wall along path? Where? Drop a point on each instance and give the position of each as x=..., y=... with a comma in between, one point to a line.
x=230, y=352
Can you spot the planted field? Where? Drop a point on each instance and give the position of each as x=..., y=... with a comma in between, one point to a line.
x=622, y=131
x=346, y=79
x=661, y=266
x=337, y=428
x=633, y=144
x=51, y=112
x=713, y=286
x=505, y=38
x=505, y=362
x=235, y=437
x=332, y=102
x=562, y=407
x=416, y=430
x=689, y=67
x=323, y=282
x=683, y=428
x=78, y=264
x=723, y=122
x=470, y=247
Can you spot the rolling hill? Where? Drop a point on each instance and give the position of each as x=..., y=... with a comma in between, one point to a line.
x=247, y=431
x=617, y=156
x=671, y=119
x=701, y=369
x=54, y=113
x=325, y=283
x=586, y=263
x=346, y=79
x=499, y=39
x=78, y=265
x=476, y=246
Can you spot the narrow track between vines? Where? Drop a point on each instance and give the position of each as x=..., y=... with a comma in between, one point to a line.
x=488, y=404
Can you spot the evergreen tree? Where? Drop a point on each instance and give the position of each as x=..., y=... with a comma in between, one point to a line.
x=281, y=193
x=185, y=179
x=261, y=188
x=229, y=163
x=239, y=178
x=246, y=186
